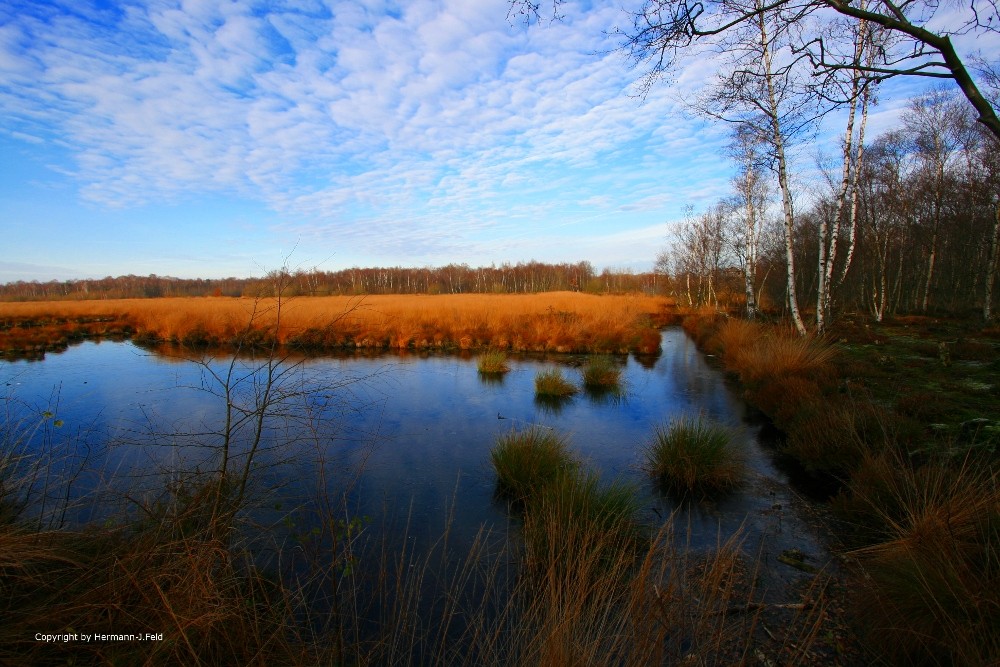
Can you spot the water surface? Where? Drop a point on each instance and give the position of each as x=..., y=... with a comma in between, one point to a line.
x=401, y=434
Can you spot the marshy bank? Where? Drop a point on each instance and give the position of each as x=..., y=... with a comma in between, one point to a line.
x=902, y=418
x=569, y=322
x=372, y=529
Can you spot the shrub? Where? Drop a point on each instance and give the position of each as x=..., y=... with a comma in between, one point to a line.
x=493, y=362
x=694, y=456
x=551, y=383
x=528, y=460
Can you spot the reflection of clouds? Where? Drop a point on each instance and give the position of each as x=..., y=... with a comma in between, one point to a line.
x=412, y=436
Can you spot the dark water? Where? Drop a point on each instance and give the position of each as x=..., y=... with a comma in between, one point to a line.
x=408, y=435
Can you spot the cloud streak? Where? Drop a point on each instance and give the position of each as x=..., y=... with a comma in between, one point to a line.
x=420, y=132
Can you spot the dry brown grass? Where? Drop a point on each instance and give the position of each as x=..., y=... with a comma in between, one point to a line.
x=933, y=559
x=770, y=354
x=553, y=321
x=735, y=335
x=194, y=590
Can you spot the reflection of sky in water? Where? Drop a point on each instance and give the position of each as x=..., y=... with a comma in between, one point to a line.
x=431, y=420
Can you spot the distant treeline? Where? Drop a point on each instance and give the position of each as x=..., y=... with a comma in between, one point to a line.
x=520, y=278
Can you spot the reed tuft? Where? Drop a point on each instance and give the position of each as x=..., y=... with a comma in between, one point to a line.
x=493, y=362
x=529, y=459
x=694, y=456
x=552, y=384
x=602, y=373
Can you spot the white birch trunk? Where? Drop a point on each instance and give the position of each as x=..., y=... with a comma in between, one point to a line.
x=858, y=164
x=786, y=196
x=750, y=270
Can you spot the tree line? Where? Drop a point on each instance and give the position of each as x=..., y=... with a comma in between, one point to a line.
x=518, y=278
x=913, y=231
x=905, y=228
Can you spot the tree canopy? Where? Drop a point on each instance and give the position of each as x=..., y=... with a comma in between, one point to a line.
x=919, y=43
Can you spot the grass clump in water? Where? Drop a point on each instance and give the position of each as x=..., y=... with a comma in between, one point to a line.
x=602, y=373
x=552, y=384
x=527, y=460
x=493, y=362
x=575, y=522
x=694, y=456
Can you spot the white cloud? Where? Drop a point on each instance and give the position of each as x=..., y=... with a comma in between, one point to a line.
x=424, y=129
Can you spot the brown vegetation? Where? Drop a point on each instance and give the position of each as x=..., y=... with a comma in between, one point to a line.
x=551, y=322
x=602, y=591
x=919, y=499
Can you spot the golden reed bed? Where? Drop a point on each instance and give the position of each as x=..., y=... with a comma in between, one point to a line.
x=550, y=321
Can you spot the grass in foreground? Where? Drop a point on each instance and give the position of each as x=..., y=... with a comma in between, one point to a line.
x=597, y=589
x=694, y=456
x=552, y=384
x=932, y=558
x=574, y=524
x=901, y=414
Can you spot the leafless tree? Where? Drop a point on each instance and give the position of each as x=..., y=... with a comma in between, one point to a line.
x=885, y=211
x=749, y=208
x=855, y=86
x=762, y=91
x=922, y=32
x=698, y=252
x=934, y=125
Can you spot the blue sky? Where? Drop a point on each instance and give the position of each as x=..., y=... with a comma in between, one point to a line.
x=206, y=138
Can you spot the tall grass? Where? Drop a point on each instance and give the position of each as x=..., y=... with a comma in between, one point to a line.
x=574, y=520
x=554, y=322
x=774, y=355
x=790, y=377
x=206, y=597
x=602, y=373
x=932, y=557
x=595, y=589
x=694, y=456
x=529, y=459
x=586, y=587
x=493, y=362
x=552, y=384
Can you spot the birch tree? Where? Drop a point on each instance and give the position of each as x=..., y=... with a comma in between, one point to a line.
x=934, y=125
x=921, y=34
x=856, y=91
x=749, y=207
x=885, y=210
x=698, y=251
x=762, y=94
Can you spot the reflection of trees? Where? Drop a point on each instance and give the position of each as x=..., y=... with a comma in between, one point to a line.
x=687, y=373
